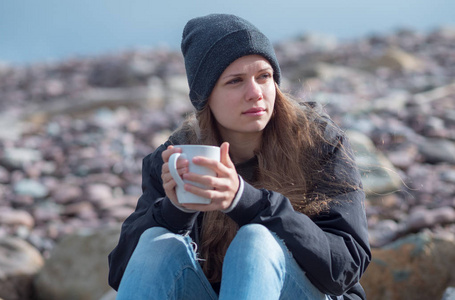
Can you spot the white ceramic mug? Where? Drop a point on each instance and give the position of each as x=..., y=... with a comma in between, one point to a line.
x=188, y=152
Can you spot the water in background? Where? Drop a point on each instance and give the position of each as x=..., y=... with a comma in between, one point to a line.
x=32, y=31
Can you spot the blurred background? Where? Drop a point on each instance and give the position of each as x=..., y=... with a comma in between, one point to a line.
x=52, y=30
x=88, y=88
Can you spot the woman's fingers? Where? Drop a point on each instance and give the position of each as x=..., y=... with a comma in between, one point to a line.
x=182, y=168
x=182, y=164
x=169, y=151
x=221, y=188
x=219, y=200
x=169, y=183
x=211, y=182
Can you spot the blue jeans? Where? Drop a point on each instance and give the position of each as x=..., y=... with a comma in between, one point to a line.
x=257, y=265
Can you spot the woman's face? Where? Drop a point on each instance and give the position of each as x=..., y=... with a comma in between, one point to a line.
x=243, y=98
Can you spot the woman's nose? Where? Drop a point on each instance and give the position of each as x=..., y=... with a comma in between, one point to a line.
x=254, y=91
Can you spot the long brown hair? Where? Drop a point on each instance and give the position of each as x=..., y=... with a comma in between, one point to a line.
x=290, y=136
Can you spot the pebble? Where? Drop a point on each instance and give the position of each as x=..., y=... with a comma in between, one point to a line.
x=18, y=157
x=30, y=187
x=98, y=192
x=4, y=175
x=384, y=232
x=423, y=218
x=12, y=217
x=449, y=176
x=67, y=193
x=438, y=151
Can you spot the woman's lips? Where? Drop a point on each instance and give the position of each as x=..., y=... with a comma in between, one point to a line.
x=255, y=111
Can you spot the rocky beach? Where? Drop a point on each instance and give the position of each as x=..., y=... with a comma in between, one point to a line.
x=73, y=134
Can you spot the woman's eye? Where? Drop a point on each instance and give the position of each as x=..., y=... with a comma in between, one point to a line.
x=234, y=81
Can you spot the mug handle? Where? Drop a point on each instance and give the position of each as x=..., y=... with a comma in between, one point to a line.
x=173, y=168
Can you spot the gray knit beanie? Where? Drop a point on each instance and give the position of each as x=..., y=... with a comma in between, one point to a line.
x=211, y=43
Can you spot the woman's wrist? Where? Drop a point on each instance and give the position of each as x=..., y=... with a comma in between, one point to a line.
x=237, y=196
x=182, y=208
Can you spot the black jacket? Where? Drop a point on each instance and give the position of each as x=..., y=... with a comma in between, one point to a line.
x=332, y=247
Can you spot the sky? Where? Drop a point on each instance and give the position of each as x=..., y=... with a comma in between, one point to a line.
x=46, y=30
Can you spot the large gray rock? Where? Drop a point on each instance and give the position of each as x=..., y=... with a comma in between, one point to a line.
x=449, y=294
x=19, y=262
x=112, y=294
x=10, y=127
x=77, y=267
x=379, y=177
x=415, y=267
x=396, y=59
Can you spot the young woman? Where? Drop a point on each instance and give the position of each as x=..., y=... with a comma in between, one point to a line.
x=287, y=218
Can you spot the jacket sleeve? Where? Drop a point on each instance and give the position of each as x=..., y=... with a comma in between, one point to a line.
x=332, y=248
x=153, y=209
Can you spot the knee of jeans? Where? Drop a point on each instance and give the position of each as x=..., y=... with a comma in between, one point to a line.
x=164, y=242
x=259, y=238
x=254, y=232
x=254, y=247
x=161, y=253
x=154, y=232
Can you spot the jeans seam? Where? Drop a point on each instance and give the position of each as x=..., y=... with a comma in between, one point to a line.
x=192, y=266
x=288, y=278
x=179, y=274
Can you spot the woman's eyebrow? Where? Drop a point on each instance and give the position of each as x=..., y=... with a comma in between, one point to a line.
x=240, y=74
x=233, y=75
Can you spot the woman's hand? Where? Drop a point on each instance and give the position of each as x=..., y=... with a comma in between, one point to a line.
x=169, y=183
x=225, y=185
